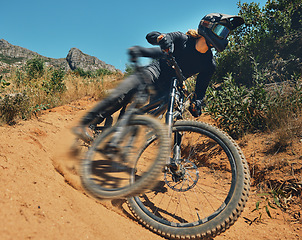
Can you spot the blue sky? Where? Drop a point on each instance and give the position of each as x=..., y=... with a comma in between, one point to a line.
x=105, y=29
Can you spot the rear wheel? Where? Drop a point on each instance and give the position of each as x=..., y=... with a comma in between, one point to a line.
x=128, y=168
x=204, y=189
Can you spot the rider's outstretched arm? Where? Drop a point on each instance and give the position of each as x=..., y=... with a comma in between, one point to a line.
x=175, y=37
x=138, y=51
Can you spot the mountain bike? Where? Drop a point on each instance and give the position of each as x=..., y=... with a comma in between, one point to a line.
x=204, y=182
x=204, y=187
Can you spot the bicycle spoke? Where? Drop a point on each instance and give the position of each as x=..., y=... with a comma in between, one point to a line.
x=197, y=186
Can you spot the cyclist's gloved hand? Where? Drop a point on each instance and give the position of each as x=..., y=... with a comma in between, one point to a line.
x=134, y=52
x=165, y=42
x=196, y=108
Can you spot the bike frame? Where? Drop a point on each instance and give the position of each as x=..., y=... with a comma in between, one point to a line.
x=177, y=96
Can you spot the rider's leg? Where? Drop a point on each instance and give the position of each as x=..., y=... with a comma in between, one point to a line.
x=119, y=97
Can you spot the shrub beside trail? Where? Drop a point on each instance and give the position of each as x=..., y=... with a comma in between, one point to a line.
x=34, y=87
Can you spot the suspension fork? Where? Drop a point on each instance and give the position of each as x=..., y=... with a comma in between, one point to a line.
x=169, y=115
x=176, y=147
x=169, y=121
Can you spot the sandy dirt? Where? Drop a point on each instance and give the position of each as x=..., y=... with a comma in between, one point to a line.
x=41, y=196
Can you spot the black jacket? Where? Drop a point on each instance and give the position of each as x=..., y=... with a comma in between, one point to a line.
x=188, y=58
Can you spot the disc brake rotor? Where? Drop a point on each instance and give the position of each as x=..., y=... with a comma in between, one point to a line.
x=184, y=179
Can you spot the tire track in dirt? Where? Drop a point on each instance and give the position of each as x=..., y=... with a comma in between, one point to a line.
x=41, y=196
x=35, y=200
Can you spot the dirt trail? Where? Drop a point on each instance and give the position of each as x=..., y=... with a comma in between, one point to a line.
x=41, y=196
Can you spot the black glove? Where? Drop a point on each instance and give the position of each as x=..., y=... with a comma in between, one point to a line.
x=134, y=53
x=165, y=42
x=152, y=37
x=196, y=107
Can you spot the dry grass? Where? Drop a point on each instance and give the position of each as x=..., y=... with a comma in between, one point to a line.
x=78, y=87
x=25, y=97
x=289, y=127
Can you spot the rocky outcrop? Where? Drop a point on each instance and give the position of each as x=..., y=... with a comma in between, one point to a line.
x=15, y=55
x=15, y=52
x=77, y=59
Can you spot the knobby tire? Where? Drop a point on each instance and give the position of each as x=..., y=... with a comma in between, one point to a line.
x=210, y=195
x=126, y=174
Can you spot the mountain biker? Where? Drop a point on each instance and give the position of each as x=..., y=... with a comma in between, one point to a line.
x=193, y=54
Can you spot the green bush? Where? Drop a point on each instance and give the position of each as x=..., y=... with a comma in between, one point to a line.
x=3, y=83
x=13, y=106
x=19, y=77
x=271, y=35
x=130, y=69
x=103, y=72
x=237, y=109
x=10, y=60
x=82, y=73
x=92, y=74
x=35, y=68
x=35, y=87
x=56, y=82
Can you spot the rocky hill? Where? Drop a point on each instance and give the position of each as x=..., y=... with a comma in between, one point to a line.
x=17, y=56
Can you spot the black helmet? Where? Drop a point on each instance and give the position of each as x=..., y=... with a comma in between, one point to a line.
x=215, y=27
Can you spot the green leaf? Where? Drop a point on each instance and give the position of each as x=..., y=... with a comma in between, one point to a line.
x=271, y=206
x=268, y=212
x=263, y=194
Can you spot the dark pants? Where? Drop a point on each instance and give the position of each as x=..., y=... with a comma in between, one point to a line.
x=118, y=98
x=122, y=95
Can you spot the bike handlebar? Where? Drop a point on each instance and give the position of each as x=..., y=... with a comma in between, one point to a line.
x=156, y=53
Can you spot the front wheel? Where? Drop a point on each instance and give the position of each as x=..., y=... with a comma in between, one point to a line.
x=130, y=167
x=204, y=189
